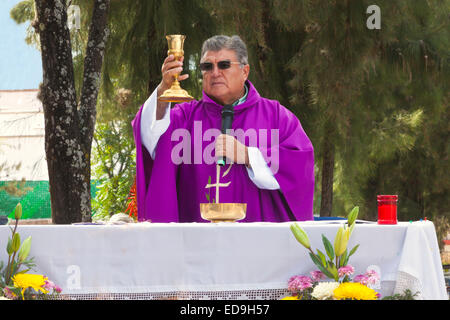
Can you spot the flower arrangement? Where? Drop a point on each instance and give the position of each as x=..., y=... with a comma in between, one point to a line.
x=332, y=264
x=312, y=288
x=16, y=283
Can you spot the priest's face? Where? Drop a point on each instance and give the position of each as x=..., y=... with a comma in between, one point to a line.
x=224, y=86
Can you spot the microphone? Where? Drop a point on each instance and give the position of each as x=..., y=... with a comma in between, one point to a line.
x=227, y=120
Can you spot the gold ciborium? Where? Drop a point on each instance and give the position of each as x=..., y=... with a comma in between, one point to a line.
x=223, y=212
x=175, y=93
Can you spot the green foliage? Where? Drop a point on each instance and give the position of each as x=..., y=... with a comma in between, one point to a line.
x=406, y=295
x=113, y=164
x=21, y=13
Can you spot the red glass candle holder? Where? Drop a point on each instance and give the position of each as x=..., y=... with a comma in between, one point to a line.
x=387, y=209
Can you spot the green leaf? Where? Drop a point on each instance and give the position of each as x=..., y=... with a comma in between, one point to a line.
x=316, y=260
x=328, y=247
x=353, y=250
x=334, y=272
x=318, y=263
x=23, y=271
x=207, y=197
x=343, y=259
x=322, y=257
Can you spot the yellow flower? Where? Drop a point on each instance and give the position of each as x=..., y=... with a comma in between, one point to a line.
x=290, y=298
x=26, y=280
x=354, y=291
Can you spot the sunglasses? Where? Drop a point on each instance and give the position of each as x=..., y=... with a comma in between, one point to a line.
x=222, y=65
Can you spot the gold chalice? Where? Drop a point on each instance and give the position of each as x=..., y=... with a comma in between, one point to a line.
x=175, y=93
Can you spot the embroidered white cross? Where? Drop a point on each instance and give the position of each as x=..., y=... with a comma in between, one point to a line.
x=217, y=185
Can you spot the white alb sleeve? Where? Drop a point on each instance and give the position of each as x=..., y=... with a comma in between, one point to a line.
x=152, y=129
x=260, y=173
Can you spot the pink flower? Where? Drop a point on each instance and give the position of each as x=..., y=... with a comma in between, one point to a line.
x=317, y=275
x=370, y=277
x=49, y=285
x=361, y=278
x=8, y=293
x=346, y=271
x=373, y=276
x=299, y=283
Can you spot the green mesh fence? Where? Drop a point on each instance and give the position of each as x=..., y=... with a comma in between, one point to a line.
x=35, y=200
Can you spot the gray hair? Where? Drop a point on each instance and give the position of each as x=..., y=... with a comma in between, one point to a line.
x=233, y=43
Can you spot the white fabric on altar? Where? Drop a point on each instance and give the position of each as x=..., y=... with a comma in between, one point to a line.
x=211, y=261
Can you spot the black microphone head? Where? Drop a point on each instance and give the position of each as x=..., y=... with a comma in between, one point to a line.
x=227, y=117
x=227, y=110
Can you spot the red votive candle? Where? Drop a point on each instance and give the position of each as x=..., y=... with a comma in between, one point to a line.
x=387, y=209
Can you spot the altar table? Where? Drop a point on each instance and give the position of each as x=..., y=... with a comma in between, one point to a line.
x=223, y=260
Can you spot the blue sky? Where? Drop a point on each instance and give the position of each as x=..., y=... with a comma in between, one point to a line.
x=20, y=64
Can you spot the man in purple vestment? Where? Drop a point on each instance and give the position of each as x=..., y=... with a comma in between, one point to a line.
x=177, y=147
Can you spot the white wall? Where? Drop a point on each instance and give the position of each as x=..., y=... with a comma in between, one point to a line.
x=22, y=149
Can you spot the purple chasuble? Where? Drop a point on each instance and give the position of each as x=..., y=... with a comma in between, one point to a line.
x=170, y=191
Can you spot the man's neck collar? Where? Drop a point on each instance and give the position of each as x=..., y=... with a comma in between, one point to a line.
x=243, y=98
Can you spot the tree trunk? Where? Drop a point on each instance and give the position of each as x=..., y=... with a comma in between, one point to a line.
x=98, y=35
x=326, y=203
x=68, y=128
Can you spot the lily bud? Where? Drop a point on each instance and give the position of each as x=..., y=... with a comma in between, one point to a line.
x=337, y=241
x=352, y=216
x=9, y=249
x=300, y=235
x=18, y=211
x=25, y=249
x=15, y=242
x=341, y=241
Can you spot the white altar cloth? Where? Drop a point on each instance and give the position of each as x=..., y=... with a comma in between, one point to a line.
x=221, y=261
